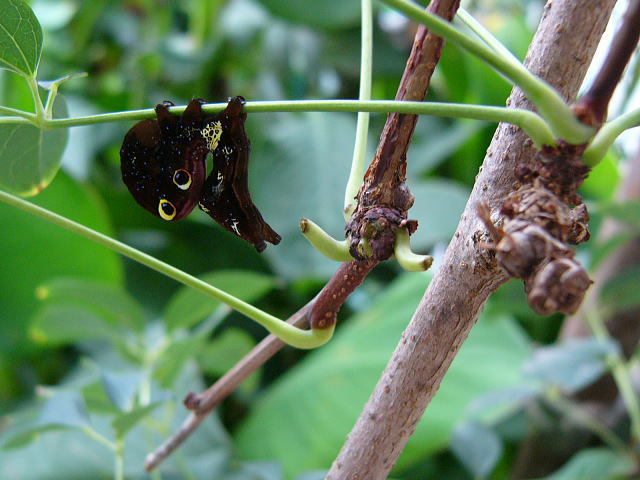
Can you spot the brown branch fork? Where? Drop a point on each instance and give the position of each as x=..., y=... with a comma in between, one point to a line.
x=560, y=54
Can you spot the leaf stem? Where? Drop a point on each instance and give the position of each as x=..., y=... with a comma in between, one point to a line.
x=325, y=243
x=577, y=413
x=18, y=113
x=40, y=115
x=605, y=137
x=91, y=433
x=619, y=370
x=553, y=108
x=118, y=473
x=407, y=259
x=529, y=121
x=360, y=148
x=286, y=332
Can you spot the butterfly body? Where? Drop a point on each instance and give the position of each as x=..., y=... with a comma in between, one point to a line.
x=163, y=164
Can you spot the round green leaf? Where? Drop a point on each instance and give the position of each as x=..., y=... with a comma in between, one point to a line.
x=29, y=156
x=20, y=38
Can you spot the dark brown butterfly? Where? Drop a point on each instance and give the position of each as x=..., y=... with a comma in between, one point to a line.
x=163, y=164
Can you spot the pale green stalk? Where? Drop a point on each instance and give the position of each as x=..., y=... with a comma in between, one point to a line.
x=619, y=369
x=408, y=260
x=487, y=37
x=91, y=433
x=118, y=473
x=556, y=398
x=360, y=148
x=18, y=113
x=40, y=116
x=553, y=108
x=603, y=140
x=325, y=243
x=286, y=332
x=529, y=121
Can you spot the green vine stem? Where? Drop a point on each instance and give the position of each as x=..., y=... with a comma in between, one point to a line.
x=40, y=116
x=618, y=366
x=553, y=108
x=360, y=148
x=556, y=398
x=30, y=117
x=605, y=137
x=408, y=260
x=294, y=336
x=529, y=121
x=486, y=36
x=324, y=243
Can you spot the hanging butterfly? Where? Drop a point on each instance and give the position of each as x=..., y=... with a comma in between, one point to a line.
x=163, y=163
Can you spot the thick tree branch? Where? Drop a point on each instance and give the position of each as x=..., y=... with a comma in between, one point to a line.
x=560, y=53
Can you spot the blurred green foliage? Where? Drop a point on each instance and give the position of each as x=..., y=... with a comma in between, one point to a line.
x=93, y=344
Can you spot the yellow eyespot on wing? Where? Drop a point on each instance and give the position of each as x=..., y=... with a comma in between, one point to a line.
x=212, y=133
x=182, y=179
x=166, y=209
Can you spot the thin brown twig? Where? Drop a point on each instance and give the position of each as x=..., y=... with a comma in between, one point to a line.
x=205, y=402
x=592, y=106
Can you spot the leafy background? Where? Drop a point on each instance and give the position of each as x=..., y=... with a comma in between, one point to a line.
x=91, y=344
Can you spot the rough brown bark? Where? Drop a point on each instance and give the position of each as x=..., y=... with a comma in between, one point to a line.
x=560, y=53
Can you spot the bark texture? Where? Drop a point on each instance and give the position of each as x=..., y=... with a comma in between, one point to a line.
x=560, y=53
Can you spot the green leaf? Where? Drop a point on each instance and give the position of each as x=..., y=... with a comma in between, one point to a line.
x=172, y=361
x=188, y=307
x=20, y=38
x=126, y=421
x=303, y=174
x=110, y=302
x=224, y=351
x=37, y=251
x=621, y=292
x=67, y=323
x=30, y=157
x=321, y=398
x=571, y=365
x=477, y=447
x=595, y=464
x=121, y=387
x=326, y=14
x=438, y=206
x=64, y=409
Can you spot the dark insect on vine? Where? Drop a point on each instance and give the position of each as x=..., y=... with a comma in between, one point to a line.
x=163, y=163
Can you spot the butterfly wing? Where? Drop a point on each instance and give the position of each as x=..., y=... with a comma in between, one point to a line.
x=225, y=196
x=163, y=162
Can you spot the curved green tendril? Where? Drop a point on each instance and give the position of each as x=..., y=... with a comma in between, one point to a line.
x=283, y=330
x=407, y=259
x=323, y=242
x=360, y=147
x=603, y=140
